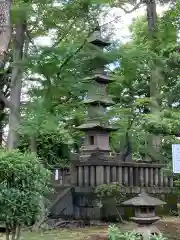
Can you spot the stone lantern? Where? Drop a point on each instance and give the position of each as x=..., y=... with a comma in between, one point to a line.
x=145, y=215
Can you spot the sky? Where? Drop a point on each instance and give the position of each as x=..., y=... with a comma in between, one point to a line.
x=124, y=21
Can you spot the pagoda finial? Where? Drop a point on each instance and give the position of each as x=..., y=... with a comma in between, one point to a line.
x=97, y=28
x=96, y=37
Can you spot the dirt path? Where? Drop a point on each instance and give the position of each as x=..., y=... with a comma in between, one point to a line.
x=170, y=227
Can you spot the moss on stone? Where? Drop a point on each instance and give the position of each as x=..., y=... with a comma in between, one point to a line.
x=170, y=208
x=128, y=213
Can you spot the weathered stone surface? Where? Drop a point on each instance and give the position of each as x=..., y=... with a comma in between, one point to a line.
x=51, y=222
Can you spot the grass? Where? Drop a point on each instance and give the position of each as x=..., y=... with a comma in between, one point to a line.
x=63, y=234
x=81, y=234
x=168, y=226
x=54, y=235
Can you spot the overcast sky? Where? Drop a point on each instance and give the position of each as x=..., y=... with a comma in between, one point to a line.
x=121, y=27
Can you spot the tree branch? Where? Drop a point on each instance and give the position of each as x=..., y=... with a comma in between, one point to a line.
x=133, y=9
x=30, y=39
x=65, y=33
x=71, y=56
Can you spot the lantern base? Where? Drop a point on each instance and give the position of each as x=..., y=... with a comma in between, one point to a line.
x=147, y=231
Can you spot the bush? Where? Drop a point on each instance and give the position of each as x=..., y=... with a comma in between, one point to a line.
x=115, y=234
x=110, y=193
x=113, y=191
x=23, y=183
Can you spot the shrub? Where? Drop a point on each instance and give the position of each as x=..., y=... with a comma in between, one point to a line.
x=115, y=234
x=110, y=193
x=106, y=192
x=23, y=183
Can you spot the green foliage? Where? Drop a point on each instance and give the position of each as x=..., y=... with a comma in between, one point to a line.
x=110, y=192
x=160, y=237
x=53, y=73
x=114, y=233
x=177, y=184
x=131, y=90
x=50, y=147
x=23, y=183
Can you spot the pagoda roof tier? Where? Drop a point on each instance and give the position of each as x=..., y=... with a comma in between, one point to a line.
x=96, y=101
x=99, y=61
x=97, y=39
x=100, y=78
x=96, y=126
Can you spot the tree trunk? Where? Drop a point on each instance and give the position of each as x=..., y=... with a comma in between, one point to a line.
x=18, y=232
x=5, y=29
x=13, y=233
x=153, y=140
x=7, y=232
x=33, y=144
x=151, y=17
x=16, y=85
x=152, y=30
x=2, y=118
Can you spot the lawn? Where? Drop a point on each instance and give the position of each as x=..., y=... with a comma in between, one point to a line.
x=170, y=227
x=63, y=234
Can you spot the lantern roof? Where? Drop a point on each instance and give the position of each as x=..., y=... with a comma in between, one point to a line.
x=143, y=199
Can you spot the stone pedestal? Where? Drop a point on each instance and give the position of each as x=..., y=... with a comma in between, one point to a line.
x=147, y=231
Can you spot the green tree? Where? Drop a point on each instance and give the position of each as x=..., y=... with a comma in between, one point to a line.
x=23, y=183
x=132, y=89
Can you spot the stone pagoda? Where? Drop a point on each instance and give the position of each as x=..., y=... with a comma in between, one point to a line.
x=95, y=165
x=96, y=128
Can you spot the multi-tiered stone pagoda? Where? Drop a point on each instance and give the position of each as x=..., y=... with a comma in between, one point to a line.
x=94, y=165
x=96, y=128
